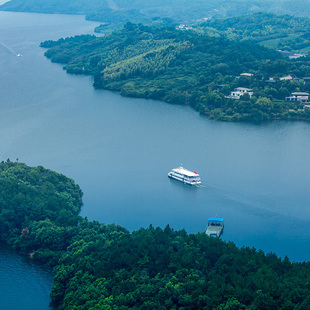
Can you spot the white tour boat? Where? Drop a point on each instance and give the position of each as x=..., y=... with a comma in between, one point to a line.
x=183, y=175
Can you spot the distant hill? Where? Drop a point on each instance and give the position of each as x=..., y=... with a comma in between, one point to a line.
x=82, y=7
x=138, y=10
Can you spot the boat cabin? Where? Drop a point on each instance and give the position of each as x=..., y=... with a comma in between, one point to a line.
x=215, y=221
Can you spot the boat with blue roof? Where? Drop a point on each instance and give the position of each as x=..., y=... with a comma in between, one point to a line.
x=215, y=227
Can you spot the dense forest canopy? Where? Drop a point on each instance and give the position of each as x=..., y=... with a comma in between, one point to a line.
x=138, y=10
x=188, y=67
x=166, y=269
x=35, y=196
x=99, y=266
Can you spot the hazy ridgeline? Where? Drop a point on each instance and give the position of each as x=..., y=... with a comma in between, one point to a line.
x=138, y=10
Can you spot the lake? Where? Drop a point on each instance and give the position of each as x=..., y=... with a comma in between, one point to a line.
x=24, y=285
x=119, y=150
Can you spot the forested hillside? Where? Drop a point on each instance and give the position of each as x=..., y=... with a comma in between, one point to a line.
x=282, y=32
x=34, y=198
x=138, y=10
x=99, y=266
x=166, y=269
x=188, y=67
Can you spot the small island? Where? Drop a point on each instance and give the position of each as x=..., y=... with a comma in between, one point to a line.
x=227, y=79
x=104, y=266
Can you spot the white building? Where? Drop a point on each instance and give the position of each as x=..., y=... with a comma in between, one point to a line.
x=247, y=74
x=286, y=78
x=183, y=27
x=240, y=91
x=297, y=55
x=298, y=96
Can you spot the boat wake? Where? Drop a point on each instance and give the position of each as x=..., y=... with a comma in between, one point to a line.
x=9, y=49
x=202, y=186
x=207, y=187
x=235, y=198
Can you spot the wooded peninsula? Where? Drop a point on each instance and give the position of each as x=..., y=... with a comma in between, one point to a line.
x=104, y=266
x=217, y=68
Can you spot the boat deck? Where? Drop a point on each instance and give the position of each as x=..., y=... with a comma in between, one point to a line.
x=215, y=227
x=214, y=231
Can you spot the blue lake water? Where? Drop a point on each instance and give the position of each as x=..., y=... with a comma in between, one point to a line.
x=24, y=285
x=119, y=150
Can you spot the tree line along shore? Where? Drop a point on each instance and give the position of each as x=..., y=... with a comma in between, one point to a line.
x=214, y=69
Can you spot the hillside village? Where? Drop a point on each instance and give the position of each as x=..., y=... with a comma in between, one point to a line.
x=296, y=96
